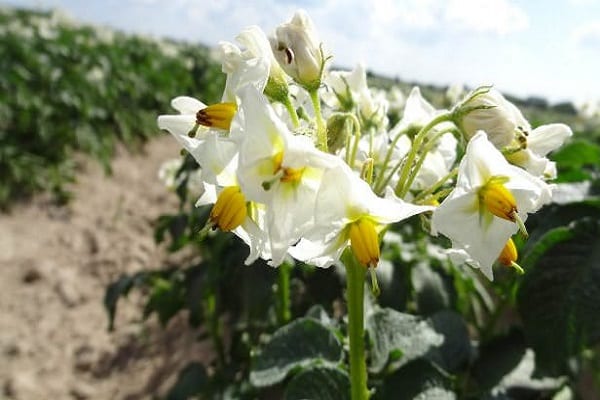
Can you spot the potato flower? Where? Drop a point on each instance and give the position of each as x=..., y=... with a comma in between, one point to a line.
x=278, y=169
x=489, y=203
x=348, y=212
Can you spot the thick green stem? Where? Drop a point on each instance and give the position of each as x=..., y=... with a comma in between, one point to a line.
x=355, y=288
x=321, y=128
x=284, y=313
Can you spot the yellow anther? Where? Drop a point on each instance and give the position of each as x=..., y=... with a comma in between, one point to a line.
x=292, y=174
x=217, y=115
x=498, y=199
x=509, y=256
x=364, y=242
x=230, y=209
x=285, y=174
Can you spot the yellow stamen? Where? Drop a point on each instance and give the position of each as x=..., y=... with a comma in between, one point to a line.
x=509, y=256
x=292, y=174
x=364, y=242
x=230, y=209
x=498, y=199
x=217, y=115
x=285, y=174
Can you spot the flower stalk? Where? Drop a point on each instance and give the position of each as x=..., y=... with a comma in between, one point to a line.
x=284, y=313
x=321, y=128
x=355, y=289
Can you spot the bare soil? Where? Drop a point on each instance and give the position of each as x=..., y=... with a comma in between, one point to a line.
x=55, y=264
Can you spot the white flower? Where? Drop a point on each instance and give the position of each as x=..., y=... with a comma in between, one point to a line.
x=417, y=113
x=252, y=65
x=347, y=212
x=218, y=184
x=479, y=215
x=279, y=170
x=541, y=141
x=298, y=49
x=348, y=91
x=215, y=154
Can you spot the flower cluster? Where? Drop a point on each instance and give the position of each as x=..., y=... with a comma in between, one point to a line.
x=300, y=160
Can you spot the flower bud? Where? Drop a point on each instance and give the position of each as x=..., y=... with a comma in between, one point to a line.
x=487, y=110
x=364, y=242
x=298, y=49
x=339, y=128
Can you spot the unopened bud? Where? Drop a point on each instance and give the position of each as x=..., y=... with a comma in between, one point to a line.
x=339, y=128
x=298, y=49
x=486, y=109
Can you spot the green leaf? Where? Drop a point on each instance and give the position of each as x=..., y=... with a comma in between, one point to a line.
x=506, y=366
x=576, y=160
x=456, y=350
x=577, y=154
x=319, y=313
x=167, y=298
x=419, y=379
x=496, y=359
x=302, y=342
x=434, y=292
x=319, y=383
x=116, y=290
x=559, y=298
x=191, y=381
x=394, y=334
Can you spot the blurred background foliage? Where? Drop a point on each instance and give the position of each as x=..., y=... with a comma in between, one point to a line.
x=66, y=87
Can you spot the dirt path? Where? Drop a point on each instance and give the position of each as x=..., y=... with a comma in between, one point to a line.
x=55, y=263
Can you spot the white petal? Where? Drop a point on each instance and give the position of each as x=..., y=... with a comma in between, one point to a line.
x=544, y=139
x=458, y=219
x=316, y=253
x=187, y=105
x=209, y=196
x=179, y=126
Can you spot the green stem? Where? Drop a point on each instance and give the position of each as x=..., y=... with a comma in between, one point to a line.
x=355, y=288
x=426, y=149
x=284, y=313
x=356, y=137
x=292, y=111
x=402, y=187
x=321, y=128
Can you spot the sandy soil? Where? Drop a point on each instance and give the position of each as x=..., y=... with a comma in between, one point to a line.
x=55, y=263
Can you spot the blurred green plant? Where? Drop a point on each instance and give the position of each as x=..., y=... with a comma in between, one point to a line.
x=67, y=87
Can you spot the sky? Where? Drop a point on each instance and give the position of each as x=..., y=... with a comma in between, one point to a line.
x=539, y=48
